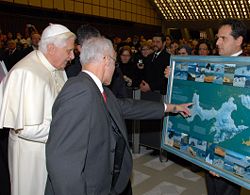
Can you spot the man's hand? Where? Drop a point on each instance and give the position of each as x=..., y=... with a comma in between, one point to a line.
x=214, y=174
x=167, y=72
x=144, y=86
x=180, y=109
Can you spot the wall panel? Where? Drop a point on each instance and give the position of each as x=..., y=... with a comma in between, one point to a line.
x=122, y=9
x=48, y=4
x=78, y=7
x=36, y=3
x=87, y=9
x=25, y=2
x=103, y=12
x=104, y=3
x=128, y=7
x=123, y=6
x=96, y=10
x=59, y=4
x=111, y=3
x=117, y=14
x=110, y=13
x=117, y=4
x=128, y=16
x=96, y=2
x=123, y=15
x=71, y=6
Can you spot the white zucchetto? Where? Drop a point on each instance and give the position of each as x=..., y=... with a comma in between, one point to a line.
x=54, y=30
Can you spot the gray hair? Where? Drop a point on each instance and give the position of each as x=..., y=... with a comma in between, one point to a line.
x=94, y=49
x=57, y=40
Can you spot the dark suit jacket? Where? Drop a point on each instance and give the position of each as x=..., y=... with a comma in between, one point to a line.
x=74, y=68
x=80, y=147
x=11, y=59
x=26, y=51
x=154, y=71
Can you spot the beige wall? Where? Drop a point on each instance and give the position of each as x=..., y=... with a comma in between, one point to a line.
x=140, y=11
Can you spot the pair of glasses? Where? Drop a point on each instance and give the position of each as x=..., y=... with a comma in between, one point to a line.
x=116, y=63
x=112, y=58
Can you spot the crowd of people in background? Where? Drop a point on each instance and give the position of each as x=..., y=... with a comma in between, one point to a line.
x=132, y=53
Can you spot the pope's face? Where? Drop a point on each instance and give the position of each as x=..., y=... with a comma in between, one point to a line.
x=63, y=55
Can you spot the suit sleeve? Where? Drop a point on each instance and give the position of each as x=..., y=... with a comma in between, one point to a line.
x=67, y=144
x=141, y=109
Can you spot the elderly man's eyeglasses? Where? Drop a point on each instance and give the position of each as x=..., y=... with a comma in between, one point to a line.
x=114, y=59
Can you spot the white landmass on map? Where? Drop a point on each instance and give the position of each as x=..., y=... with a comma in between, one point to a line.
x=223, y=126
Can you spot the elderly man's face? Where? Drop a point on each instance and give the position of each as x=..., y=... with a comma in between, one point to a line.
x=63, y=55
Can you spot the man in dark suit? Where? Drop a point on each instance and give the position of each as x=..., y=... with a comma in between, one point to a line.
x=84, y=32
x=230, y=38
x=155, y=65
x=87, y=150
x=12, y=55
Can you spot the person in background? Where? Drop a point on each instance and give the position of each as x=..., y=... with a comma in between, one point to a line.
x=174, y=48
x=155, y=65
x=127, y=66
x=168, y=43
x=27, y=94
x=135, y=43
x=184, y=50
x=88, y=151
x=83, y=33
x=12, y=55
x=204, y=48
x=139, y=59
x=35, y=38
x=230, y=38
x=19, y=40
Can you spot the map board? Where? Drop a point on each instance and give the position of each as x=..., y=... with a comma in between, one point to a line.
x=217, y=135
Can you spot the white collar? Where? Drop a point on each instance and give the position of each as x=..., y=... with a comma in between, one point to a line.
x=44, y=60
x=96, y=80
x=238, y=53
x=157, y=53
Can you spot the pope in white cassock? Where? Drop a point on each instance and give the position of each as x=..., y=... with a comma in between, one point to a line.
x=27, y=94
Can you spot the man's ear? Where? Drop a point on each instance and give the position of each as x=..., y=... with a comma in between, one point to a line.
x=239, y=40
x=51, y=48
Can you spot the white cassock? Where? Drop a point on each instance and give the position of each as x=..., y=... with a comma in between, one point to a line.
x=27, y=94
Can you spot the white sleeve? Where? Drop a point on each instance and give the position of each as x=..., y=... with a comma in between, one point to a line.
x=37, y=133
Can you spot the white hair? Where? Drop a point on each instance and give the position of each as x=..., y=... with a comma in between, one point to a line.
x=94, y=49
x=58, y=41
